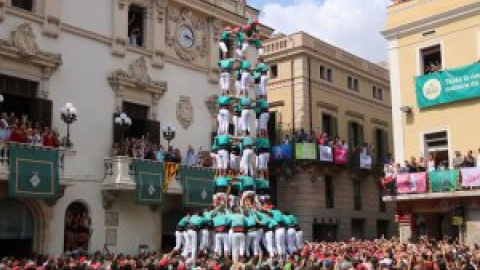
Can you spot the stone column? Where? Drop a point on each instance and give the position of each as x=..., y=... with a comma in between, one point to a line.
x=2, y=10
x=120, y=27
x=45, y=82
x=159, y=35
x=213, y=29
x=51, y=22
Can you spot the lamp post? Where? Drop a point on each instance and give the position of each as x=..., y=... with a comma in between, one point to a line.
x=69, y=115
x=169, y=134
x=123, y=122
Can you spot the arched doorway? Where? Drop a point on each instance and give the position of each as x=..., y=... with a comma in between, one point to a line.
x=17, y=227
x=77, y=227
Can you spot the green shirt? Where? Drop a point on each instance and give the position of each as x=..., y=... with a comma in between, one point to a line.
x=261, y=183
x=262, y=143
x=223, y=140
x=225, y=35
x=197, y=221
x=245, y=64
x=208, y=215
x=245, y=102
x=247, y=181
x=262, y=67
x=184, y=221
x=247, y=141
x=237, y=108
x=220, y=220
x=222, y=181
x=237, y=185
x=277, y=216
x=226, y=63
x=271, y=223
x=263, y=218
x=290, y=220
x=251, y=221
x=257, y=75
x=237, y=220
x=262, y=103
x=239, y=38
x=224, y=100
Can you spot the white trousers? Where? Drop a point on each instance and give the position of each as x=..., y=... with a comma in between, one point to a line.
x=221, y=244
x=224, y=81
x=223, y=47
x=232, y=200
x=299, y=239
x=245, y=120
x=234, y=162
x=280, y=241
x=193, y=238
x=236, y=125
x=187, y=248
x=179, y=241
x=222, y=159
x=263, y=159
x=204, y=239
x=251, y=244
x=258, y=240
x=223, y=118
x=291, y=240
x=269, y=236
x=238, y=245
x=245, y=82
x=246, y=166
x=263, y=121
x=238, y=86
x=263, y=85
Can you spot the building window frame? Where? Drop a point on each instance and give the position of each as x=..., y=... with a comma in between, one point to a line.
x=329, y=192
x=273, y=71
x=144, y=25
x=353, y=84
x=34, y=4
x=424, y=148
x=377, y=93
x=333, y=125
x=420, y=62
x=326, y=73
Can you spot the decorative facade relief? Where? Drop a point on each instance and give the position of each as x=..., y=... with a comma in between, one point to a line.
x=212, y=106
x=136, y=78
x=185, y=112
x=184, y=18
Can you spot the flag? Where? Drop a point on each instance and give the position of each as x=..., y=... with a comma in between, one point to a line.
x=411, y=183
x=170, y=169
x=326, y=153
x=340, y=156
x=470, y=177
x=149, y=177
x=443, y=180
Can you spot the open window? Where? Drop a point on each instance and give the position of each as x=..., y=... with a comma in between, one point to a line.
x=352, y=83
x=273, y=71
x=436, y=144
x=377, y=93
x=26, y=5
x=326, y=73
x=431, y=59
x=355, y=135
x=329, y=124
x=381, y=145
x=136, y=25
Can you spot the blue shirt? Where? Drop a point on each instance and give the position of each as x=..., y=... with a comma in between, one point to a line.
x=237, y=220
x=184, y=221
x=220, y=220
x=159, y=156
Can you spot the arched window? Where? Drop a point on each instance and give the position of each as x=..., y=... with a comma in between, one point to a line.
x=16, y=229
x=77, y=227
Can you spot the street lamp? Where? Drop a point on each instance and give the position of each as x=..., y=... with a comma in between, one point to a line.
x=123, y=122
x=169, y=134
x=69, y=115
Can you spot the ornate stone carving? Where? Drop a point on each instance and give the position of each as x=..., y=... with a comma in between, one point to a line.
x=184, y=16
x=185, y=112
x=162, y=8
x=138, y=75
x=23, y=41
x=211, y=103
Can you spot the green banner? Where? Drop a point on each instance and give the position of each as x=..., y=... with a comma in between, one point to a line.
x=443, y=180
x=149, y=179
x=33, y=172
x=448, y=86
x=197, y=186
x=306, y=151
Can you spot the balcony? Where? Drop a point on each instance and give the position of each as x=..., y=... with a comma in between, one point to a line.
x=66, y=171
x=119, y=177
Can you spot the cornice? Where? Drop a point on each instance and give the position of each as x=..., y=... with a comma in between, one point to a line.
x=433, y=21
x=327, y=106
x=356, y=115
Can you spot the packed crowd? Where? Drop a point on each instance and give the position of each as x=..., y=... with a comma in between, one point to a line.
x=23, y=130
x=145, y=149
x=432, y=163
x=426, y=254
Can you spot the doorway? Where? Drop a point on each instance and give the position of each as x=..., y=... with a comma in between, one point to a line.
x=17, y=227
x=77, y=227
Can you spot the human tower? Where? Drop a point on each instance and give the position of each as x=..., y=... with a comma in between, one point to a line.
x=242, y=222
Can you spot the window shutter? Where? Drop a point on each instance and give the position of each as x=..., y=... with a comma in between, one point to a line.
x=385, y=146
x=154, y=131
x=361, y=138
x=351, y=136
x=42, y=112
x=333, y=126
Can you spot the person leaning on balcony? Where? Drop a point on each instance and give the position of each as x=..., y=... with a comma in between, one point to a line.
x=469, y=160
x=457, y=160
x=431, y=163
x=4, y=131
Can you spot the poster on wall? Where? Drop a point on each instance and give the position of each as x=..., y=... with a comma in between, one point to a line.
x=326, y=153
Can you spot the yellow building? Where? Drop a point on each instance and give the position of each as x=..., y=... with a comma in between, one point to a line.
x=423, y=37
x=317, y=87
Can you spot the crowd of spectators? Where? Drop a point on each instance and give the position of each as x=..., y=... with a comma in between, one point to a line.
x=143, y=148
x=380, y=254
x=432, y=163
x=21, y=129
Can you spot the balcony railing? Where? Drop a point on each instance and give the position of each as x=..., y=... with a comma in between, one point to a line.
x=120, y=175
x=65, y=165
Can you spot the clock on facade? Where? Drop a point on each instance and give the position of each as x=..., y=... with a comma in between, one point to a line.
x=186, y=36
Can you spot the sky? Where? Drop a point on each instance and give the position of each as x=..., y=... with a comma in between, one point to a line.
x=353, y=25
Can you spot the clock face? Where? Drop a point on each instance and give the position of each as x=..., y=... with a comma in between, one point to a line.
x=186, y=37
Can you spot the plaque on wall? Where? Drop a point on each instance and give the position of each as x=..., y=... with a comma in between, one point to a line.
x=111, y=219
x=111, y=237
